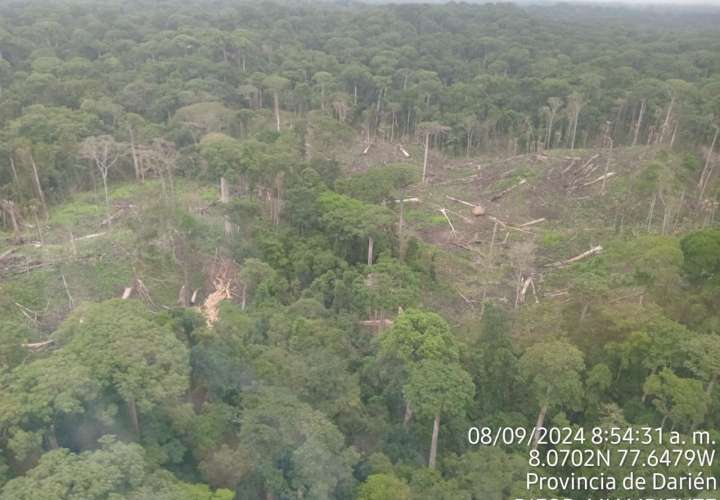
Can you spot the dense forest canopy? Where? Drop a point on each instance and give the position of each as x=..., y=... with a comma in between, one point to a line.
x=300, y=250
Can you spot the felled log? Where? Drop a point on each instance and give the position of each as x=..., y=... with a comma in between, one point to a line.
x=506, y=191
x=477, y=210
x=6, y=253
x=376, y=322
x=506, y=226
x=588, y=162
x=593, y=251
x=452, y=228
x=365, y=151
x=33, y=346
x=127, y=292
x=404, y=151
x=89, y=236
x=602, y=177
x=533, y=222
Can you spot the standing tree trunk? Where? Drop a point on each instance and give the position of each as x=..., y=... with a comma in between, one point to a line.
x=136, y=163
x=36, y=177
x=371, y=242
x=104, y=174
x=433, y=443
x=711, y=385
x=276, y=107
x=225, y=199
x=538, y=424
x=132, y=412
x=408, y=414
x=707, y=170
x=666, y=122
x=401, y=225
x=14, y=170
x=425, y=160
x=638, y=125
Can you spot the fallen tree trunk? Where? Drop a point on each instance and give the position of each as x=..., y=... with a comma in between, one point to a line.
x=601, y=178
x=38, y=345
x=593, y=251
x=506, y=191
x=533, y=222
x=452, y=228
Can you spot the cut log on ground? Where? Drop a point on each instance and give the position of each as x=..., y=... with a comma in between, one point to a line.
x=452, y=228
x=90, y=236
x=506, y=226
x=533, y=222
x=404, y=151
x=593, y=251
x=477, y=210
x=34, y=346
x=506, y=191
x=588, y=162
x=377, y=323
x=601, y=178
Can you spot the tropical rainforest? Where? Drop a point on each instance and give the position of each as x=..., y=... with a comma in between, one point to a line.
x=262, y=250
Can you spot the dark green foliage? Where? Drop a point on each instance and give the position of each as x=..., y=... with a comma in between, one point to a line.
x=701, y=251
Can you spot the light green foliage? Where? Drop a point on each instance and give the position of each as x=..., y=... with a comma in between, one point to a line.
x=116, y=470
x=418, y=335
x=488, y=472
x=378, y=184
x=553, y=372
x=276, y=424
x=439, y=388
x=701, y=250
x=682, y=400
x=224, y=155
x=12, y=335
x=384, y=487
x=127, y=352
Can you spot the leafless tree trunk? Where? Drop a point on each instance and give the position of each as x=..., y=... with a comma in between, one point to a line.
x=708, y=169
x=38, y=186
x=666, y=123
x=371, y=242
x=14, y=170
x=104, y=151
x=434, y=442
x=136, y=163
x=711, y=385
x=408, y=414
x=651, y=214
x=276, y=107
x=540, y=422
x=425, y=160
x=638, y=124
x=225, y=199
x=133, y=413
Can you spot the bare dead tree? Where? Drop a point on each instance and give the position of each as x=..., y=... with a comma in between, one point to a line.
x=104, y=151
x=575, y=103
x=27, y=151
x=554, y=104
x=428, y=130
x=160, y=158
x=708, y=168
x=638, y=124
